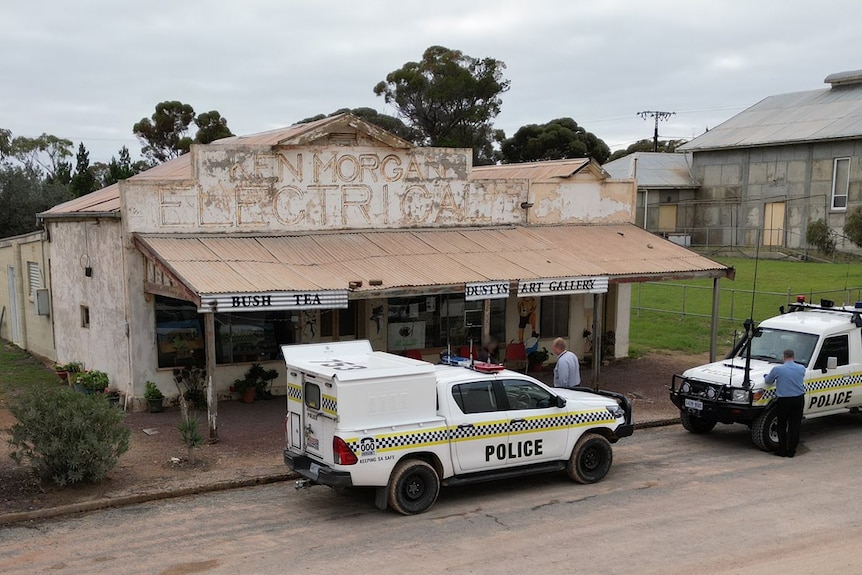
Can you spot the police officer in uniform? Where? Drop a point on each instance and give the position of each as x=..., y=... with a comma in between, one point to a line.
x=790, y=391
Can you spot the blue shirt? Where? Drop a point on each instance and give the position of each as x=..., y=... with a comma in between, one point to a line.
x=788, y=378
x=567, y=372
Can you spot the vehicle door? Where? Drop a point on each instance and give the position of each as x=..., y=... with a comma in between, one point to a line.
x=478, y=426
x=828, y=391
x=319, y=413
x=538, y=429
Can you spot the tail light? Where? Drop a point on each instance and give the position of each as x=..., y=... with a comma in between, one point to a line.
x=341, y=454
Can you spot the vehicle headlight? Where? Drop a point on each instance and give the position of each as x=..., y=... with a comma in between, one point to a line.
x=739, y=396
x=616, y=411
x=685, y=387
x=711, y=393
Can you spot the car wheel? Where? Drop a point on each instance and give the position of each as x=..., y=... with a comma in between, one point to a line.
x=764, y=430
x=413, y=487
x=591, y=458
x=696, y=423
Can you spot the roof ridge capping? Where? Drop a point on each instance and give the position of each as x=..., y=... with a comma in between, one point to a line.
x=844, y=78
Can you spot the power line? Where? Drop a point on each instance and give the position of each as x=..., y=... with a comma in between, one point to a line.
x=657, y=115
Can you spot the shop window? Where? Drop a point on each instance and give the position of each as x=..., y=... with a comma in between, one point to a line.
x=346, y=320
x=474, y=315
x=179, y=333
x=426, y=321
x=253, y=336
x=441, y=320
x=840, y=183
x=554, y=316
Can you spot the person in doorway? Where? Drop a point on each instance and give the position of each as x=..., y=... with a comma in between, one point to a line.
x=790, y=393
x=567, y=372
x=488, y=353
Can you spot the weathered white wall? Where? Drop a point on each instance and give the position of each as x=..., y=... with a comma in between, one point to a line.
x=104, y=345
x=583, y=199
x=35, y=332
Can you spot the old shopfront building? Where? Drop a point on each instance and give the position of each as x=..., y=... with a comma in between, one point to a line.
x=337, y=230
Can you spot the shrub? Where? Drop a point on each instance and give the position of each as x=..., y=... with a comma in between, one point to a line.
x=853, y=226
x=821, y=236
x=152, y=391
x=93, y=381
x=67, y=437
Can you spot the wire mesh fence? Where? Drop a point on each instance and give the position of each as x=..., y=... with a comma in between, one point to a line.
x=735, y=305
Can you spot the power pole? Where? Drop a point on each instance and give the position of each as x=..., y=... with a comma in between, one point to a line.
x=658, y=116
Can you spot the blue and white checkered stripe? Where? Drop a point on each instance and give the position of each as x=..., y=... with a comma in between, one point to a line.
x=481, y=431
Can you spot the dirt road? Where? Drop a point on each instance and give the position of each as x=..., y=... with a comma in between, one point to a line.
x=674, y=503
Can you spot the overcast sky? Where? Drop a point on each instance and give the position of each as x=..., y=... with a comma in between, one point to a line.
x=88, y=70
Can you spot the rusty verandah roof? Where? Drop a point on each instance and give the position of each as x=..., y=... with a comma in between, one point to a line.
x=209, y=264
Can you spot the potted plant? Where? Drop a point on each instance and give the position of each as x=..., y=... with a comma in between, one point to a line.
x=246, y=388
x=91, y=382
x=154, y=396
x=255, y=383
x=113, y=395
x=537, y=358
x=65, y=370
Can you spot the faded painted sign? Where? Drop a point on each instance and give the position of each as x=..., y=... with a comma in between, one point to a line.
x=323, y=187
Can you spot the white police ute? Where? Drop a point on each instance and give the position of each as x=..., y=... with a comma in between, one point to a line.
x=356, y=417
x=824, y=338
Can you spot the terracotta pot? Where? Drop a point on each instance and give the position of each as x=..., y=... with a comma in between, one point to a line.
x=248, y=395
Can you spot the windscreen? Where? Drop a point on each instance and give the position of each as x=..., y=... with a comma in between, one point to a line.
x=769, y=345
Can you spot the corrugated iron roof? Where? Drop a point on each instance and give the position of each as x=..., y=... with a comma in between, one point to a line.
x=420, y=258
x=653, y=170
x=176, y=169
x=530, y=170
x=103, y=201
x=300, y=134
x=827, y=114
x=273, y=137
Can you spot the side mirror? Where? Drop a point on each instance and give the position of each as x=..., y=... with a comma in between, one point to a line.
x=561, y=401
x=831, y=362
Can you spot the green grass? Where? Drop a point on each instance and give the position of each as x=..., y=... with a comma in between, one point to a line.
x=20, y=370
x=777, y=283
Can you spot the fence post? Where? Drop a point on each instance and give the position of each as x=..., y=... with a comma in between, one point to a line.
x=683, y=300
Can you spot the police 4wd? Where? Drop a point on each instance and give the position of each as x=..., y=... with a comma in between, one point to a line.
x=825, y=339
x=356, y=417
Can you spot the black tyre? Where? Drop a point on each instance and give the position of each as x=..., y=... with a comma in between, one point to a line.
x=764, y=430
x=591, y=458
x=696, y=423
x=413, y=487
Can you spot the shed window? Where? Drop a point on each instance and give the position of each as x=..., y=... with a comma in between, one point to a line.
x=34, y=275
x=840, y=183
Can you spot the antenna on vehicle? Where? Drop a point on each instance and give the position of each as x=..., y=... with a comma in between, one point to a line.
x=749, y=323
